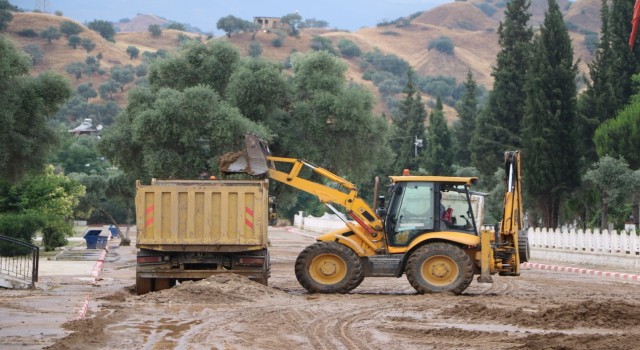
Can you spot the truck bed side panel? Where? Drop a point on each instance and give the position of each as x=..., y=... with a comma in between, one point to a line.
x=221, y=213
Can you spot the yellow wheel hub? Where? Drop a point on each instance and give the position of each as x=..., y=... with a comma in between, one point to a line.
x=327, y=269
x=439, y=270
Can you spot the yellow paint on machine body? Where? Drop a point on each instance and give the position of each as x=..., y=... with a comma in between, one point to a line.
x=202, y=215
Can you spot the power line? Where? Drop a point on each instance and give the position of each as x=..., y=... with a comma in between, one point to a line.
x=42, y=6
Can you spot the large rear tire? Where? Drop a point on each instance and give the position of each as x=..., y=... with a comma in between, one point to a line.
x=523, y=245
x=329, y=267
x=439, y=267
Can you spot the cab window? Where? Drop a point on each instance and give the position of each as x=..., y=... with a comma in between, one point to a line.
x=413, y=211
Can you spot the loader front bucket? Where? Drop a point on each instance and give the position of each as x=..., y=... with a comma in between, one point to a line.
x=252, y=160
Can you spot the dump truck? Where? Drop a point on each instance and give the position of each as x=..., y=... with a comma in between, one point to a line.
x=415, y=232
x=193, y=229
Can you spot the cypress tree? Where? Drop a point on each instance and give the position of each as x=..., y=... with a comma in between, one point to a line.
x=465, y=126
x=624, y=62
x=409, y=125
x=551, y=166
x=596, y=104
x=439, y=155
x=499, y=127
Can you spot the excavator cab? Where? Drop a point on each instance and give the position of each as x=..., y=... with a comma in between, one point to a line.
x=424, y=204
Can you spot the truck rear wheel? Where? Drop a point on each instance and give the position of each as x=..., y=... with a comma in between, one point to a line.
x=329, y=267
x=163, y=283
x=439, y=267
x=143, y=285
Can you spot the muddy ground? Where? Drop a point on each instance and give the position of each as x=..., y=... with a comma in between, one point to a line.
x=538, y=310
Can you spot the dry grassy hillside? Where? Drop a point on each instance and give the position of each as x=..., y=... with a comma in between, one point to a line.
x=458, y=15
x=57, y=53
x=144, y=41
x=585, y=14
x=465, y=23
x=140, y=23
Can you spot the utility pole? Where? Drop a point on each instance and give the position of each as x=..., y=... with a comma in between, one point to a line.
x=42, y=6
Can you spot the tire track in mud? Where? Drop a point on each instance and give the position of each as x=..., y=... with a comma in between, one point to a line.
x=352, y=327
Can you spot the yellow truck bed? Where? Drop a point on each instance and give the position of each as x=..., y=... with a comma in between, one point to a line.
x=202, y=215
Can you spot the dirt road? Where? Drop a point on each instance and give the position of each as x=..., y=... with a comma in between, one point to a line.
x=539, y=310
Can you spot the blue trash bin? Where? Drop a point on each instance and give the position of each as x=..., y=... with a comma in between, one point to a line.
x=101, y=242
x=91, y=236
x=114, y=231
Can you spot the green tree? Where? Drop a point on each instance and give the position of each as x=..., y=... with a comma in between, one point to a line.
x=614, y=182
x=620, y=136
x=314, y=23
x=293, y=20
x=155, y=30
x=87, y=44
x=439, y=148
x=596, y=104
x=255, y=50
x=76, y=69
x=624, y=62
x=107, y=89
x=122, y=75
x=319, y=43
x=177, y=26
x=329, y=114
x=259, y=90
x=108, y=198
x=465, y=126
x=86, y=91
x=5, y=13
x=208, y=64
x=443, y=44
x=174, y=134
x=35, y=52
x=104, y=28
x=133, y=51
x=231, y=24
x=80, y=155
x=50, y=34
x=498, y=126
x=52, y=198
x=409, y=128
x=25, y=137
x=69, y=28
x=551, y=167
x=348, y=48
x=74, y=41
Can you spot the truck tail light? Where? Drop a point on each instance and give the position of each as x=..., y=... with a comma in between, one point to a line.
x=251, y=261
x=149, y=259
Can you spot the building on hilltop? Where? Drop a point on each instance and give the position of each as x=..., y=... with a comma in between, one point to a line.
x=267, y=23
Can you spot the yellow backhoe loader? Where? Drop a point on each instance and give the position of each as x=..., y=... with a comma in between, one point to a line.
x=416, y=233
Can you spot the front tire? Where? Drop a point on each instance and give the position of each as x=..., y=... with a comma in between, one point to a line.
x=439, y=267
x=329, y=267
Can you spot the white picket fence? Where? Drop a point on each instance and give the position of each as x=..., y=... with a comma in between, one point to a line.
x=611, y=242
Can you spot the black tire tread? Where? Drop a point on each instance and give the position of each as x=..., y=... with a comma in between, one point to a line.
x=355, y=270
x=456, y=253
